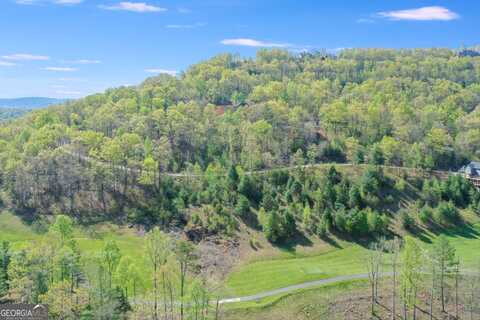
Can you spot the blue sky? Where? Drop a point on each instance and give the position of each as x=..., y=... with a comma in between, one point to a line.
x=71, y=48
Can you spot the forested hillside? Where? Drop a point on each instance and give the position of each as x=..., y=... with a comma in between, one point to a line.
x=14, y=108
x=8, y=114
x=112, y=155
x=29, y=103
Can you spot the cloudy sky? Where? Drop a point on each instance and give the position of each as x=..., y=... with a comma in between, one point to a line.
x=71, y=48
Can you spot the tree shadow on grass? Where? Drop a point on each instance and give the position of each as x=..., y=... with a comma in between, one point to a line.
x=299, y=239
x=331, y=241
x=463, y=230
x=419, y=233
x=366, y=240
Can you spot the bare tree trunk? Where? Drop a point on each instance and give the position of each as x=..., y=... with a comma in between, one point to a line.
x=442, y=286
x=172, y=298
x=415, y=305
x=457, y=271
x=182, y=288
x=217, y=309
x=472, y=302
x=432, y=293
x=394, y=287
x=164, y=294
x=376, y=282
x=155, y=292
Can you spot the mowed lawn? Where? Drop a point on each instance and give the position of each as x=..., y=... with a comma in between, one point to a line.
x=273, y=274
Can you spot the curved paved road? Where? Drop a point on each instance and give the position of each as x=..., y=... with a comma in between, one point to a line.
x=297, y=287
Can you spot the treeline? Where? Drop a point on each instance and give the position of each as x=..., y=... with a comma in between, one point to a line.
x=107, y=284
x=414, y=108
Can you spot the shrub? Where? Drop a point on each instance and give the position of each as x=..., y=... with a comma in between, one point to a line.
x=425, y=215
x=307, y=218
x=407, y=220
x=322, y=228
x=243, y=207
x=357, y=222
x=389, y=199
x=340, y=220
x=377, y=223
x=354, y=197
x=289, y=226
x=400, y=185
x=446, y=213
x=40, y=225
x=253, y=242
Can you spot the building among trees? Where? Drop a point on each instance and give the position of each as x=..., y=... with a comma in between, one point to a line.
x=471, y=170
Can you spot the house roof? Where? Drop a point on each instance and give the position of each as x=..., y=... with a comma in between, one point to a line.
x=471, y=169
x=475, y=164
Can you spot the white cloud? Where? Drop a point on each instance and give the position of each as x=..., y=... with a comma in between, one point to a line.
x=141, y=7
x=186, y=26
x=7, y=64
x=60, y=69
x=84, y=61
x=421, y=14
x=253, y=43
x=25, y=57
x=161, y=71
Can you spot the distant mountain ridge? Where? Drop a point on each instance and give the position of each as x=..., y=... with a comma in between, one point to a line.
x=28, y=103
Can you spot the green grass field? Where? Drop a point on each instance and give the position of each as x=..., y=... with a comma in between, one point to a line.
x=272, y=274
x=14, y=230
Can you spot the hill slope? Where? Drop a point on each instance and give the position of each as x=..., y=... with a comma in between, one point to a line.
x=28, y=103
x=228, y=115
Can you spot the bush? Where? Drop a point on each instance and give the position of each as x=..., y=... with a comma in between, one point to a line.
x=340, y=220
x=389, y=199
x=357, y=223
x=243, y=207
x=253, y=242
x=425, y=215
x=377, y=223
x=322, y=228
x=40, y=225
x=446, y=213
x=408, y=223
x=400, y=185
x=354, y=197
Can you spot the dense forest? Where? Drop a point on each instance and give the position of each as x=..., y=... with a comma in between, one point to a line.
x=115, y=155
